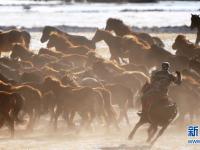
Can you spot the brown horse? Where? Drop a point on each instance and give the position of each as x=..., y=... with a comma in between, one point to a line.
x=185, y=48
x=10, y=106
x=106, y=95
x=75, y=39
x=141, y=54
x=63, y=45
x=123, y=97
x=159, y=114
x=50, y=52
x=84, y=100
x=19, y=51
x=7, y=38
x=195, y=23
x=113, y=42
x=32, y=104
x=121, y=29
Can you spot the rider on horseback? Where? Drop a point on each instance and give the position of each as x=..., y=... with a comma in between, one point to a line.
x=157, y=89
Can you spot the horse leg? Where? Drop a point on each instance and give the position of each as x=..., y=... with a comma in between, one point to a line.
x=57, y=113
x=30, y=114
x=141, y=122
x=159, y=133
x=198, y=38
x=151, y=132
x=126, y=117
x=10, y=121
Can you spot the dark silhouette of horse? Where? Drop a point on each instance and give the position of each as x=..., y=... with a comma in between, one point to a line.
x=7, y=38
x=10, y=106
x=75, y=39
x=32, y=104
x=160, y=113
x=195, y=23
x=121, y=29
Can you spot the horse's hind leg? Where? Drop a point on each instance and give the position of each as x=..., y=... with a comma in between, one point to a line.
x=151, y=132
x=159, y=133
x=10, y=121
x=141, y=122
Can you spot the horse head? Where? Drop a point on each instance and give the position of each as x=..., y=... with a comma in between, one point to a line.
x=195, y=21
x=46, y=33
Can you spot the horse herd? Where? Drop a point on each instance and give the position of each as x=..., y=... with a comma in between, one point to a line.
x=69, y=78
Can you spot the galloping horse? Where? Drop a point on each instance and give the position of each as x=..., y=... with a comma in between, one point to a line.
x=195, y=23
x=122, y=29
x=10, y=105
x=113, y=43
x=7, y=38
x=75, y=39
x=158, y=115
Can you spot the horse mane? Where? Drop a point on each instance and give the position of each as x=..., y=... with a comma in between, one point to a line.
x=133, y=40
x=54, y=81
x=114, y=22
x=22, y=87
x=181, y=39
x=61, y=38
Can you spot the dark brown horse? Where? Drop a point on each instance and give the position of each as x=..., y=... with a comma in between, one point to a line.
x=7, y=38
x=10, y=106
x=195, y=23
x=121, y=29
x=160, y=113
x=75, y=39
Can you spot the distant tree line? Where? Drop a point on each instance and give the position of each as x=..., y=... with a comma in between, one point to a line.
x=105, y=1
x=117, y=1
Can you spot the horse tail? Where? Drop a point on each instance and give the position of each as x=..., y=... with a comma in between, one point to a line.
x=18, y=105
x=27, y=38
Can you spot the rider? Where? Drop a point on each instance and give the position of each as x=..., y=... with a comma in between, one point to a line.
x=158, y=87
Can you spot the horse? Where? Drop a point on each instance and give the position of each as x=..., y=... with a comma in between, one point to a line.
x=189, y=89
x=7, y=38
x=185, y=48
x=75, y=39
x=141, y=54
x=123, y=97
x=84, y=100
x=10, y=106
x=50, y=52
x=19, y=51
x=195, y=23
x=106, y=95
x=121, y=29
x=160, y=113
x=113, y=43
x=62, y=44
x=32, y=104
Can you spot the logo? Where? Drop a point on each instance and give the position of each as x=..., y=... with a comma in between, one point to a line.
x=193, y=133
